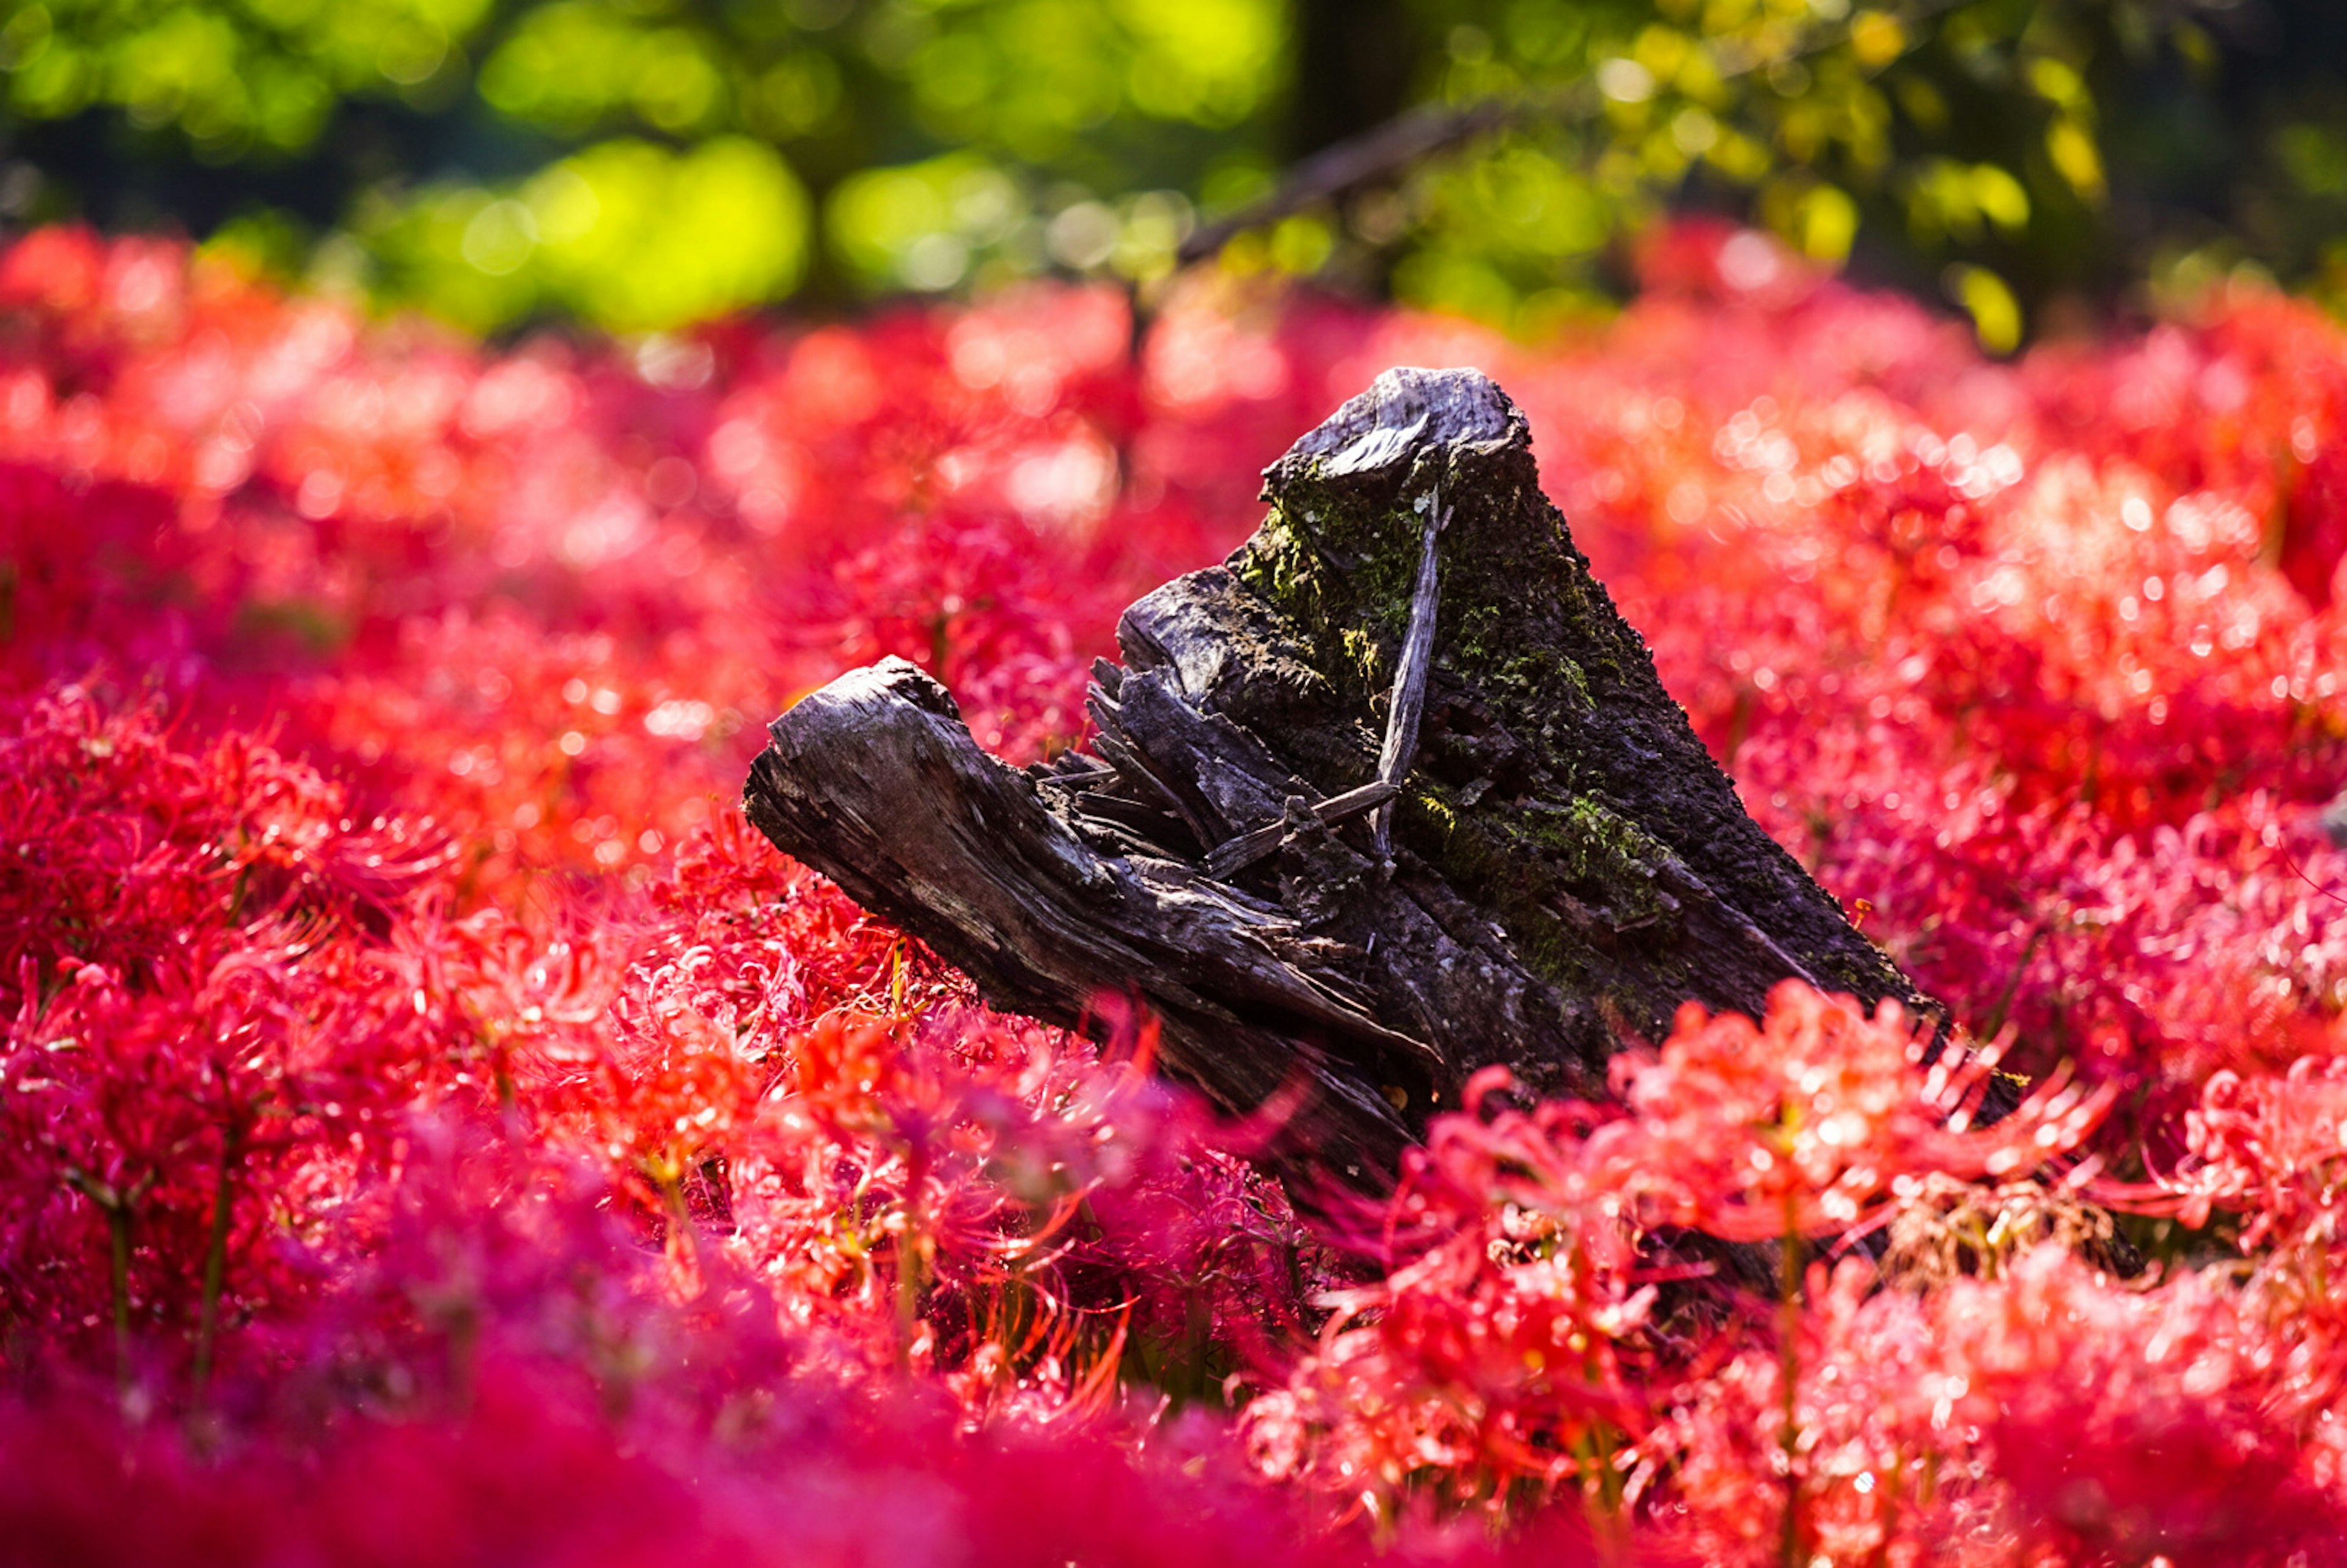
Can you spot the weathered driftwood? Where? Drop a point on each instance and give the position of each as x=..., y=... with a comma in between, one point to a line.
x=1410, y=635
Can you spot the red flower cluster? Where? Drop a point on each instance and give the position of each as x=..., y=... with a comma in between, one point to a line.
x=1521, y=1336
x=434, y=1127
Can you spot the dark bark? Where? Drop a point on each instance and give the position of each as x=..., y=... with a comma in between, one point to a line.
x=1568, y=865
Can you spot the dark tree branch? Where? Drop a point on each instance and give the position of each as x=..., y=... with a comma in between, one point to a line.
x=1384, y=152
x=1410, y=137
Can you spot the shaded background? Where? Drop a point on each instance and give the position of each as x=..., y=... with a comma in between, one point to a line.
x=644, y=164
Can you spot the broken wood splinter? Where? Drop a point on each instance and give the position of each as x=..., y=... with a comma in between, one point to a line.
x=1234, y=855
x=1409, y=681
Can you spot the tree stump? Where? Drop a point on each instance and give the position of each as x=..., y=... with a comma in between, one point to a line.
x=1391, y=794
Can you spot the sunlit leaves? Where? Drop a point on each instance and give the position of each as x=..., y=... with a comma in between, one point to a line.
x=1826, y=119
x=2072, y=148
x=573, y=65
x=1876, y=38
x=1208, y=62
x=797, y=95
x=625, y=234
x=936, y=225
x=1821, y=219
x=918, y=226
x=264, y=75
x=1996, y=314
x=1829, y=118
x=1024, y=76
x=1504, y=226
x=1946, y=199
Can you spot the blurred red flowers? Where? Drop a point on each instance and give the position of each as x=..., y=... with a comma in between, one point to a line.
x=434, y=1128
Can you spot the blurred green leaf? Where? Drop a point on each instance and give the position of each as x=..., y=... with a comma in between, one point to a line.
x=1996, y=314
x=626, y=235
x=260, y=74
x=574, y=64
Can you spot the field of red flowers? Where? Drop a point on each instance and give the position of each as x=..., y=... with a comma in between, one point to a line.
x=434, y=1129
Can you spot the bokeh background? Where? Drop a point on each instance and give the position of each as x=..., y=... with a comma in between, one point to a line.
x=637, y=165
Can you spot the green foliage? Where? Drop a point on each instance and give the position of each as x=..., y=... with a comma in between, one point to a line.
x=1963, y=130
x=235, y=79
x=625, y=234
x=645, y=163
x=574, y=66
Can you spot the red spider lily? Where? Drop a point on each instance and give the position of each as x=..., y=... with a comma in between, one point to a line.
x=1499, y=1356
x=422, y=1087
x=1807, y=1121
x=2047, y=1413
x=2270, y=1147
x=1514, y=1338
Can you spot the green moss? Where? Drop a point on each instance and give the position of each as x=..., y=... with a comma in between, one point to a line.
x=1576, y=882
x=1377, y=546
x=1516, y=885
x=1569, y=678
x=1276, y=565
x=1361, y=606
x=1527, y=866
x=1609, y=858
x=1539, y=675
x=1439, y=809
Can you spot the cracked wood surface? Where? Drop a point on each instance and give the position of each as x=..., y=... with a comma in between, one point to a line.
x=1567, y=863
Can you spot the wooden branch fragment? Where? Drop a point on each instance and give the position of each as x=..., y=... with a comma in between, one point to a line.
x=1566, y=864
x=1409, y=701
x=1413, y=135
x=1234, y=855
x=1132, y=764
